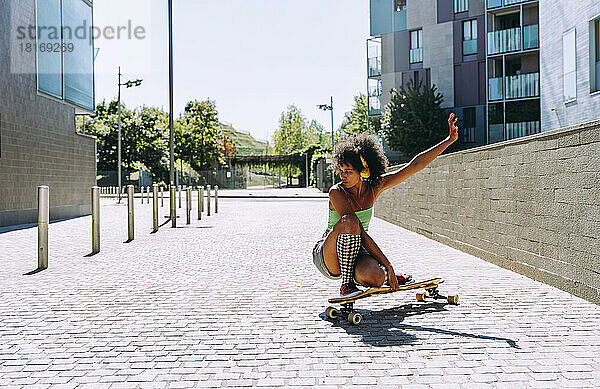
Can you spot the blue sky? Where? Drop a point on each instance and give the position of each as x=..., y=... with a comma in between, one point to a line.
x=254, y=58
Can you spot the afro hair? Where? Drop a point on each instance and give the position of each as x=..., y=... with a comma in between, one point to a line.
x=352, y=147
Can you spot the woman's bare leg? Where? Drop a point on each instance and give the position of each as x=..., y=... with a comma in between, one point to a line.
x=368, y=273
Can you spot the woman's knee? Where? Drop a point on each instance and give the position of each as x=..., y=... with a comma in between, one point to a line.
x=368, y=273
x=348, y=224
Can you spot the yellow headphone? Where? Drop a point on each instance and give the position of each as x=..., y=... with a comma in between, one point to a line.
x=365, y=173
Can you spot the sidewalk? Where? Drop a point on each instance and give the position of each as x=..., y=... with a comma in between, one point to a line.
x=234, y=300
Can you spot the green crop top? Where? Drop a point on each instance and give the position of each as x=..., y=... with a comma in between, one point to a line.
x=364, y=216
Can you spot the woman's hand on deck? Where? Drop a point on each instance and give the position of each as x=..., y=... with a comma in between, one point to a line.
x=392, y=279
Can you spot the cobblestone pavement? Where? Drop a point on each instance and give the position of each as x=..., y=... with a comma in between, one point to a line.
x=233, y=300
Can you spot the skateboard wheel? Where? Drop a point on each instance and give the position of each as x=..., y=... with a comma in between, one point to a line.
x=332, y=313
x=453, y=299
x=355, y=318
x=421, y=296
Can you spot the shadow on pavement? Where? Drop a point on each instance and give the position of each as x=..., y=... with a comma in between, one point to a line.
x=34, y=272
x=384, y=328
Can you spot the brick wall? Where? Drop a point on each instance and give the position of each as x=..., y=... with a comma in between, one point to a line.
x=39, y=145
x=531, y=205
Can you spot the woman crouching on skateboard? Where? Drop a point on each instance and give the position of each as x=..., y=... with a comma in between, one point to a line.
x=346, y=250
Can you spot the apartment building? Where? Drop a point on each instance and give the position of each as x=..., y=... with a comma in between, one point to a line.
x=46, y=78
x=519, y=67
x=570, y=62
x=437, y=42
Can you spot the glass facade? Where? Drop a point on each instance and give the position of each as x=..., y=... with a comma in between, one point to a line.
x=470, y=37
x=49, y=61
x=461, y=6
x=65, y=51
x=79, y=63
x=531, y=36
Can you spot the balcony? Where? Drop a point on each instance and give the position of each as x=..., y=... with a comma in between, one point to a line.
x=470, y=47
x=495, y=89
x=416, y=55
x=503, y=41
x=374, y=66
x=523, y=85
x=517, y=130
x=531, y=36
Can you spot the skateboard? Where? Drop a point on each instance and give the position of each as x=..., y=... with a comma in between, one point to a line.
x=347, y=303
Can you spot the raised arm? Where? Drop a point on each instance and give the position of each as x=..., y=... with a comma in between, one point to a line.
x=418, y=163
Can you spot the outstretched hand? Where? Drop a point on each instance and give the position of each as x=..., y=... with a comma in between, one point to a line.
x=453, y=135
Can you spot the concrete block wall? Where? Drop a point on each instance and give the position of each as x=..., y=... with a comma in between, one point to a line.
x=38, y=142
x=531, y=205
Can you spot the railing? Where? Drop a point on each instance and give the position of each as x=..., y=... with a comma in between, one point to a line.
x=468, y=134
x=523, y=85
x=375, y=105
x=416, y=55
x=374, y=65
x=461, y=6
x=531, y=36
x=503, y=41
x=495, y=88
x=375, y=90
x=517, y=130
x=470, y=47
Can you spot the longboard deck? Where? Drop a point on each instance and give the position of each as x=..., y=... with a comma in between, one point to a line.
x=434, y=282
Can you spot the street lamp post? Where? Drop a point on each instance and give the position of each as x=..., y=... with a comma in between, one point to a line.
x=326, y=107
x=171, y=130
x=127, y=84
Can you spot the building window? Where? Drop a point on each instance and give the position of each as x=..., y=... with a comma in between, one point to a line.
x=461, y=6
x=67, y=73
x=469, y=124
x=416, y=46
x=569, y=66
x=399, y=5
x=595, y=55
x=470, y=37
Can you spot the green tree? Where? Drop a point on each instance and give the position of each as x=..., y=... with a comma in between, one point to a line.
x=356, y=120
x=291, y=134
x=414, y=119
x=199, y=135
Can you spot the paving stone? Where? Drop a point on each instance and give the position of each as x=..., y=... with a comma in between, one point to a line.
x=152, y=313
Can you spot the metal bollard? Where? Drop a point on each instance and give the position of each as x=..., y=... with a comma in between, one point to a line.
x=199, y=202
x=142, y=194
x=188, y=204
x=172, y=203
x=155, y=206
x=43, y=222
x=95, y=219
x=216, y=198
x=150, y=188
x=130, y=220
x=162, y=200
x=207, y=200
x=179, y=189
x=202, y=198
